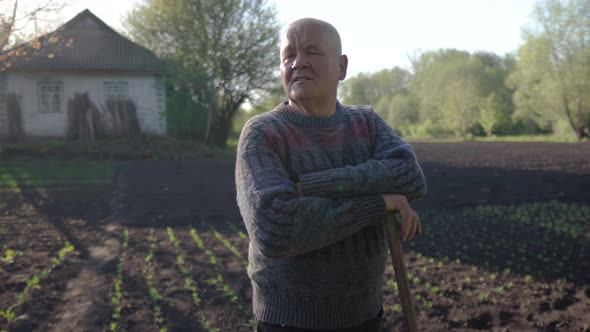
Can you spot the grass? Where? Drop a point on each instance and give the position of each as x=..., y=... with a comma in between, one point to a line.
x=26, y=173
x=507, y=138
x=232, y=144
x=527, y=138
x=62, y=163
x=139, y=148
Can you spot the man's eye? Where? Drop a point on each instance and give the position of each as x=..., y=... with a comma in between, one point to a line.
x=313, y=51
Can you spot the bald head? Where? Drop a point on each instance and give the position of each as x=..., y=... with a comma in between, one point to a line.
x=312, y=64
x=331, y=35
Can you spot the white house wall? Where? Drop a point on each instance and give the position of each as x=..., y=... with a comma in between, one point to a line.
x=147, y=92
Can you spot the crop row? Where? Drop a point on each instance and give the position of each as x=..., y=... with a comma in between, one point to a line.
x=189, y=283
x=9, y=314
x=160, y=303
x=492, y=236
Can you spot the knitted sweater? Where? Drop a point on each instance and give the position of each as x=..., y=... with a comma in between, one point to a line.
x=318, y=260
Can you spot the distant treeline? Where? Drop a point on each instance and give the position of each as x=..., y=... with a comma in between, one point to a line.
x=447, y=93
x=544, y=88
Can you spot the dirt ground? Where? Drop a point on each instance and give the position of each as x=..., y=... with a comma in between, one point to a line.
x=460, y=282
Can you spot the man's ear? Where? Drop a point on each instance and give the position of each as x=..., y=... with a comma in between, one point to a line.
x=343, y=66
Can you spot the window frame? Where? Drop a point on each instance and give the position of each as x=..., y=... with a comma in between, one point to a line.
x=56, y=89
x=120, y=88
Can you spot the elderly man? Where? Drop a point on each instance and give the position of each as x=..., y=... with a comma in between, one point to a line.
x=314, y=181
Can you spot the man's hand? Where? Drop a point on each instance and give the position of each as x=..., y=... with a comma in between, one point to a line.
x=410, y=222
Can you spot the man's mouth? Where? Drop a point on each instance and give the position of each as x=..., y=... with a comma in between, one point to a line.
x=301, y=78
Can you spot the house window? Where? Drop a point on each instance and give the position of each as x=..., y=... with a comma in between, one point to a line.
x=50, y=96
x=115, y=91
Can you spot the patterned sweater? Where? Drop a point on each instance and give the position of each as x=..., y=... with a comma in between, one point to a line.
x=318, y=260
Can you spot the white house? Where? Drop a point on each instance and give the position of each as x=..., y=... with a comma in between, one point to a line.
x=83, y=56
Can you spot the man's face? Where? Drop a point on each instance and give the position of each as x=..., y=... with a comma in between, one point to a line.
x=311, y=65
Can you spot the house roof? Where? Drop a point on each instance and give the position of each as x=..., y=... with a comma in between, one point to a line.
x=85, y=43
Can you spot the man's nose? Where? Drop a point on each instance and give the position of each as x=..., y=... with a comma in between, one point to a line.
x=300, y=61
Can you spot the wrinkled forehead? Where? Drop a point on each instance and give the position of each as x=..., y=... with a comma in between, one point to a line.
x=297, y=35
x=303, y=35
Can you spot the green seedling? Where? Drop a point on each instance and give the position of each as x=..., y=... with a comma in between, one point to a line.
x=197, y=239
x=217, y=280
x=484, y=296
x=8, y=315
x=241, y=234
x=391, y=284
x=172, y=237
x=427, y=304
x=189, y=283
x=149, y=278
x=33, y=282
x=10, y=255
x=231, y=247
x=117, y=289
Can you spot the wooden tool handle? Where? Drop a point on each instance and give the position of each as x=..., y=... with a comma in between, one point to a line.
x=401, y=274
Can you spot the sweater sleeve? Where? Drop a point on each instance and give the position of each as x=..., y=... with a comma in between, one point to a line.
x=394, y=169
x=279, y=222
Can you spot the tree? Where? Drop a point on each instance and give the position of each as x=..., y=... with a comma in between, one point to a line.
x=487, y=113
x=264, y=101
x=233, y=44
x=18, y=42
x=496, y=70
x=400, y=111
x=448, y=85
x=552, y=75
x=187, y=100
x=459, y=105
x=368, y=89
x=535, y=96
x=14, y=19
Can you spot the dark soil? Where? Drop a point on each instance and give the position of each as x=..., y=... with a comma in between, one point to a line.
x=459, y=270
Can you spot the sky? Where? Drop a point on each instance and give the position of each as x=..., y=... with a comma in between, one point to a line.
x=378, y=34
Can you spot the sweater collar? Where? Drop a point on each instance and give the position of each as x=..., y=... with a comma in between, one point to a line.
x=306, y=121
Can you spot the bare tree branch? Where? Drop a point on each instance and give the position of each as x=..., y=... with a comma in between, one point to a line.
x=7, y=27
x=22, y=17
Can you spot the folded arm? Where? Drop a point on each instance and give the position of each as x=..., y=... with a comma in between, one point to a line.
x=394, y=169
x=279, y=222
